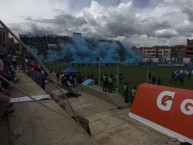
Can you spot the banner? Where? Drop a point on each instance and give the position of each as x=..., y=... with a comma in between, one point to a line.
x=169, y=110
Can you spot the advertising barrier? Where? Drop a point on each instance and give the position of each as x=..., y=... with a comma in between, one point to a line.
x=167, y=109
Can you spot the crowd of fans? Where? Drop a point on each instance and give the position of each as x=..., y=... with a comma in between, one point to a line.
x=8, y=65
x=73, y=79
x=36, y=72
x=179, y=75
x=41, y=41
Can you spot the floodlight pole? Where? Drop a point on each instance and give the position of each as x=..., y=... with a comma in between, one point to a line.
x=85, y=68
x=57, y=66
x=62, y=65
x=118, y=78
x=147, y=75
x=50, y=65
x=53, y=67
x=99, y=79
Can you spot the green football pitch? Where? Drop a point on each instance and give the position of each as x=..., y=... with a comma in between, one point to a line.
x=133, y=75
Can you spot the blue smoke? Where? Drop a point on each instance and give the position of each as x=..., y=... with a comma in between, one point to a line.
x=52, y=56
x=82, y=50
x=132, y=57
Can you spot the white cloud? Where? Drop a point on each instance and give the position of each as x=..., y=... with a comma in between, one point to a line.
x=13, y=11
x=96, y=10
x=144, y=23
x=166, y=33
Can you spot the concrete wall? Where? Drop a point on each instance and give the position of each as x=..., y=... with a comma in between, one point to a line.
x=92, y=90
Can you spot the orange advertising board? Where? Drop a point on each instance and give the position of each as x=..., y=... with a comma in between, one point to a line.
x=169, y=110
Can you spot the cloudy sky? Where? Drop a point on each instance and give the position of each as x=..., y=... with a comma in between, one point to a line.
x=139, y=22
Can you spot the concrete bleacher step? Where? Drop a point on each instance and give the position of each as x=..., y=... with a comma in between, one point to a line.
x=56, y=93
x=51, y=86
x=49, y=89
x=112, y=98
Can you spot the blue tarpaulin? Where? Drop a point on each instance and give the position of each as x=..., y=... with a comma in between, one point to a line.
x=88, y=82
x=71, y=70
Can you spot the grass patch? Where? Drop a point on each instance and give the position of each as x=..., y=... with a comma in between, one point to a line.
x=135, y=75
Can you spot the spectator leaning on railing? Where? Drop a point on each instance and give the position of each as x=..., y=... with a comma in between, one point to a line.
x=4, y=94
